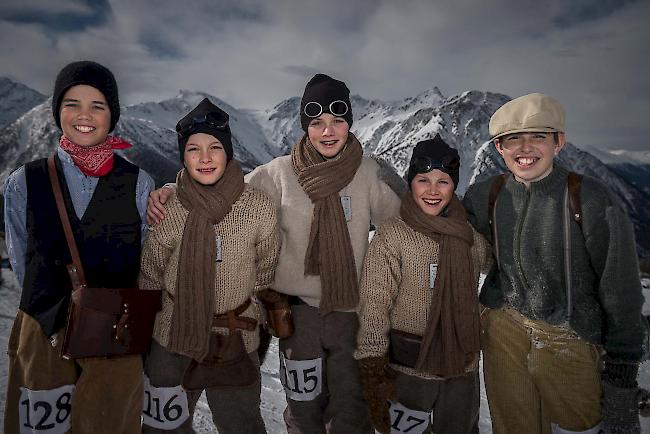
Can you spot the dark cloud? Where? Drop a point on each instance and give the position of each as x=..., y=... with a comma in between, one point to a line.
x=580, y=11
x=87, y=13
x=160, y=47
x=589, y=54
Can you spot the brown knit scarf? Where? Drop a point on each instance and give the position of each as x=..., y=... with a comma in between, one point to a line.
x=451, y=339
x=329, y=253
x=194, y=300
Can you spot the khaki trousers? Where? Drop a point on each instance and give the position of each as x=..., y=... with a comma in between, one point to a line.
x=108, y=391
x=340, y=407
x=538, y=375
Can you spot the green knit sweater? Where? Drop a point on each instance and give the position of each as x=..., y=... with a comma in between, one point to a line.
x=606, y=286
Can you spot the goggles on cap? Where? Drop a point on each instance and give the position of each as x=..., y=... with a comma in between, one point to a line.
x=338, y=108
x=212, y=120
x=424, y=164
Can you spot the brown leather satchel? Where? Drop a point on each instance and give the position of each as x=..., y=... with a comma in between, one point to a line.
x=278, y=313
x=403, y=348
x=102, y=321
x=227, y=364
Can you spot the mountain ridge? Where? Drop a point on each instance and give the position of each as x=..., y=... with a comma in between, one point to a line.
x=386, y=129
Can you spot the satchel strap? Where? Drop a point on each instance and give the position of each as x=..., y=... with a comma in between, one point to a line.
x=65, y=221
x=495, y=189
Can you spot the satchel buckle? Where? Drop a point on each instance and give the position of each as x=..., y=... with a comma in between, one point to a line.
x=122, y=323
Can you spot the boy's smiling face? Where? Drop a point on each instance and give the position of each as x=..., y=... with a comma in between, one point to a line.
x=529, y=156
x=328, y=134
x=85, y=115
x=432, y=191
x=205, y=158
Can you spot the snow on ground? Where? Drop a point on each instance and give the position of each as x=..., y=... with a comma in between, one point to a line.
x=273, y=400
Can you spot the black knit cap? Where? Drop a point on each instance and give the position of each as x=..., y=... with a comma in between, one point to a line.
x=205, y=118
x=92, y=74
x=434, y=154
x=324, y=90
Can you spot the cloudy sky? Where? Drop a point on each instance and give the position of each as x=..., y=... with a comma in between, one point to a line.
x=592, y=55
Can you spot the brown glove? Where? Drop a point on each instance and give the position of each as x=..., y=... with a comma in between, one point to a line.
x=378, y=383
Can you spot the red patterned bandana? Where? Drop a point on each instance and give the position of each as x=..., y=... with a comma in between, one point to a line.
x=94, y=160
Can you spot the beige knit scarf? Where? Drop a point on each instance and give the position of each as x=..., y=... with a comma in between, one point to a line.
x=451, y=338
x=329, y=252
x=194, y=300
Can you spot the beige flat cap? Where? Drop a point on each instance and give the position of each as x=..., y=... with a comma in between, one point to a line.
x=534, y=112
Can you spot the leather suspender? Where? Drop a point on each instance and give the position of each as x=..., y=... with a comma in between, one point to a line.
x=572, y=209
x=496, y=187
x=75, y=270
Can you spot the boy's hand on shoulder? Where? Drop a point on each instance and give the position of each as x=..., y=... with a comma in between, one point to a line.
x=156, y=211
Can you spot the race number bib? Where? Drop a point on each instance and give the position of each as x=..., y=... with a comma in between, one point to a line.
x=45, y=411
x=164, y=407
x=559, y=430
x=302, y=379
x=405, y=420
x=433, y=272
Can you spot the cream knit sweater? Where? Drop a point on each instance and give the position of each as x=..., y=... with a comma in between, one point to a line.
x=250, y=248
x=371, y=201
x=394, y=290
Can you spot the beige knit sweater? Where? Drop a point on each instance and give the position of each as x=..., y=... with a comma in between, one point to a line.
x=394, y=290
x=250, y=248
x=371, y=200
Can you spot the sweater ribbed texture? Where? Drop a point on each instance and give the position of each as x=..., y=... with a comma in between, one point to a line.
x=394, y=291
x=250, y=248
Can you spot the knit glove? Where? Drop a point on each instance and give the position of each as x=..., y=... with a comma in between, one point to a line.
x=377, y=379
x=620, y=405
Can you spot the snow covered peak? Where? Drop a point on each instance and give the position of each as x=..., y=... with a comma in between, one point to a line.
x=387, y=129
x=16, y=100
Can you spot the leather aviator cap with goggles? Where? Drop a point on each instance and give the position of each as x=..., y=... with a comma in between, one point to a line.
x=337, y=108
x=212, y=120
x=425, y=164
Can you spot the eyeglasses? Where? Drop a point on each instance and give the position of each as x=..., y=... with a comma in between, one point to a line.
x=424, y=164
x=212, y=120
x=338, y=108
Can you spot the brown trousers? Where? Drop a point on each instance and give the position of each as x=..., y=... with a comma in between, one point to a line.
x=108, y=392
x=340, y=408
x=538, y=375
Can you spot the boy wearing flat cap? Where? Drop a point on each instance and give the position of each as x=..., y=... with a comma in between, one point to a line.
x=563, y=330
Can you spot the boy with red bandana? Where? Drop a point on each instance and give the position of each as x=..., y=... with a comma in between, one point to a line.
x=105, y=197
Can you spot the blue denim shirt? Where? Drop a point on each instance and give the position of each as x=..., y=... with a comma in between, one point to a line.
x=81, y=189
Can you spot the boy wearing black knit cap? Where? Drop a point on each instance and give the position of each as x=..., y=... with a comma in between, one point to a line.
x=563, y=297
x=105, y=197
x=418, y=342
x=327, y=194
x=217, y=247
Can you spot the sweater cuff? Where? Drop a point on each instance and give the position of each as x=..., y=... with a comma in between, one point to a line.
x=621, y=374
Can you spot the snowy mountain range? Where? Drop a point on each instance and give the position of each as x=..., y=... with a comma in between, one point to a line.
x=387, y=129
